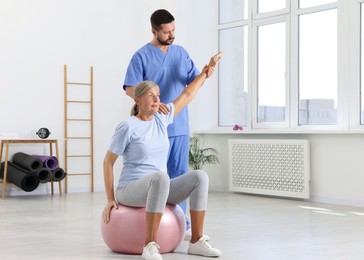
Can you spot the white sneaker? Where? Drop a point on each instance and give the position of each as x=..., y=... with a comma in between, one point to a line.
x=202, y=247
x=151, y=252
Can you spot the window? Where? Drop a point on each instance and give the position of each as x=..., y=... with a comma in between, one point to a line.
x=232, y=10
x=310, y=3
x=265, y=6
x=292, y=64
x=271, y=72
x=233, y=108
x=318, y=68
x=233, y=39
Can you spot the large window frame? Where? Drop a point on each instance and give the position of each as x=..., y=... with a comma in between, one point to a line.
x=348, y=69
x=341, y=110
x=255, y=84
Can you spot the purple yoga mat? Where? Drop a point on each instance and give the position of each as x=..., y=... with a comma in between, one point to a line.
x=50, y=162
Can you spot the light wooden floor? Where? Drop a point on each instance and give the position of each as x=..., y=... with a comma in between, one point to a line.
x=241, y=226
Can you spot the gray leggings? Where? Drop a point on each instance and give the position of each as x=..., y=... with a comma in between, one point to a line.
x=154, y=191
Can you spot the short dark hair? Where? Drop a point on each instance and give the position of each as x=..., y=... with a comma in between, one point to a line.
x=159, y=17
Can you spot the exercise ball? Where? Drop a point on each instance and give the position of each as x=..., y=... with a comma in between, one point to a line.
x=125, y=232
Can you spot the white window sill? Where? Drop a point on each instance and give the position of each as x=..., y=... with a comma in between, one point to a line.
x=229, y=130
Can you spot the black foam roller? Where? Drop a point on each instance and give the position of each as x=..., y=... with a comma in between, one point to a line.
x=44, y=175
x=20, y=177
x=58, y=174
x=28, y=162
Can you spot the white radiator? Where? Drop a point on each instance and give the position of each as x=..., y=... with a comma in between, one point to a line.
x=270, y=167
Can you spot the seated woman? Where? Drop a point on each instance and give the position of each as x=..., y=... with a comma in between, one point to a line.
x=142, y=140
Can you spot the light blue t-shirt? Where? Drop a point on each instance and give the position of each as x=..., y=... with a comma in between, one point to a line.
x=143, y=144
x=172, y=71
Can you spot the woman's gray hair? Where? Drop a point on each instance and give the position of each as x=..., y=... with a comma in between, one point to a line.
x=139, y=90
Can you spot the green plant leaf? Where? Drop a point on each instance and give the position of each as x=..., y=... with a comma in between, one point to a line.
x=199, y=156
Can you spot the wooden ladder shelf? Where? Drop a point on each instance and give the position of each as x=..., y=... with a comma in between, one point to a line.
x=75, y=158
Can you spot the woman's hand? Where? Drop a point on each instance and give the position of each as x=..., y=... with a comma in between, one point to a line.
x=210, y=68
x=215, y=59
x=107, y=211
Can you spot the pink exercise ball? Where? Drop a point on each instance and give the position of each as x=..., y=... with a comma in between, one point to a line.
x=125, y=232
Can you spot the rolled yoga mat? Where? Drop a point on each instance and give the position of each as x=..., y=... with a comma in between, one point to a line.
x=27, y=162
x=50, y=162
x=44, y=175
x=58, y=174
x=22, y=178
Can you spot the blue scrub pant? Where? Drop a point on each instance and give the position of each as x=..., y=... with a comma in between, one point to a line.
x=177, y=163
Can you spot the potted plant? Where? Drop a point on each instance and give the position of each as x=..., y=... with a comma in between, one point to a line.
x=200, y=156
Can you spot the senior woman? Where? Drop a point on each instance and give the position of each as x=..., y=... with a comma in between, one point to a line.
x=142, y=140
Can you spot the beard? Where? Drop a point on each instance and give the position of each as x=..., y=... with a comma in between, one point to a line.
x=166, y=42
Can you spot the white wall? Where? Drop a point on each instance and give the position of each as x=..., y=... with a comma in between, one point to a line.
x=337, y=165
x=37, y=37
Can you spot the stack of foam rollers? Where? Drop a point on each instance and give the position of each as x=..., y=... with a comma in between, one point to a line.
x=28, y=171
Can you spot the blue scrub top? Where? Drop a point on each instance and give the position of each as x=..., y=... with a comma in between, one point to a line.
x=172, y=71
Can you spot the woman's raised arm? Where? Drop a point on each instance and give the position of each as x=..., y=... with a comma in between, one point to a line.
x=190, y=91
